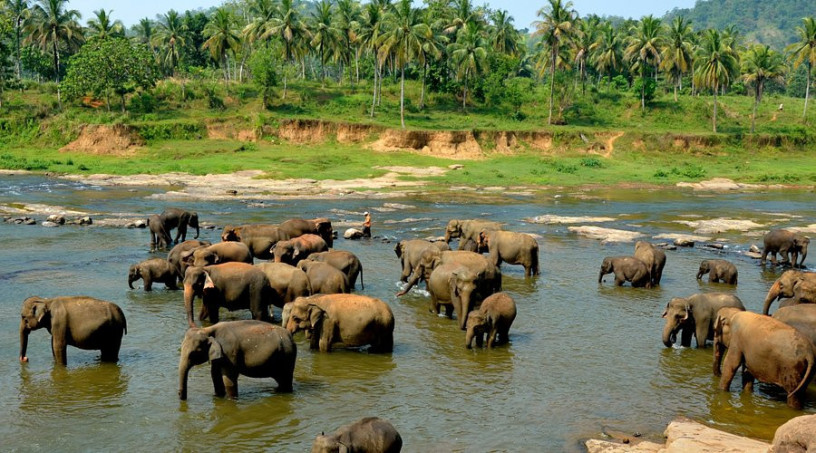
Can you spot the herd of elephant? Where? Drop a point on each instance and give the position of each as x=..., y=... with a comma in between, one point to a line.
x=311, y=283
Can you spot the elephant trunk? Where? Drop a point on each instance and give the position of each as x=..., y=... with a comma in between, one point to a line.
x=198, y=230
x=131, y=278
x=600, y=276
x=469, y=337
x=184, y=371
x=804, y=255
x=773, y=294
x=669, y=335
x=447, y=237
x=24, y=331
x=189, y=295
x=700, y=274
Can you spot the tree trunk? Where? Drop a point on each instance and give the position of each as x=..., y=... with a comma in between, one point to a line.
x=18, y=65
x=124, y=110
x=374, y=98
x=284, y=84
x=552, y=86
x=56, y=74
x=402, y=95
x=422, y=92
x=753, y=115
x=716, y=88
x=642, y=94
x=807, y=93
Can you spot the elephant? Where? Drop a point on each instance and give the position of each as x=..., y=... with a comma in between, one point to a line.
x=695, y=314
x=767, y=349
x=653, y=258
x=626, y=269
x=154, y=270
x=718, y=271
x=287, y=282
x=293, y=250
x=174, y=257
x=493, y=318
x=370, y=434
x=468, y=229
x=258, y=237
x=786, y=243
x=229, y=285
x=409, y=252
x=799, y=286
x=797, y=435
x=250, y=348
x=801, y=317
x=459, y=286
x=344, y=261
x=512, y=248
x=325, y=278
x=320, y=226
x=471, y=246
x=350, y=319
x=431, y=258
x=79, y=321
x=159, y=237
x=179, y=218
x=222, y=252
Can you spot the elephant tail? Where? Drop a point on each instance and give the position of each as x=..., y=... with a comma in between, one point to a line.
x=362, y=284
x=805, y=378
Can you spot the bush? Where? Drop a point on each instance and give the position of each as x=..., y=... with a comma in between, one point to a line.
x=591, y=162
x=144, y=103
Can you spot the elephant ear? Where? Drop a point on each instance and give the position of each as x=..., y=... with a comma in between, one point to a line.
x=216, y=352
x=687, y=309
x=208, y=282
x=187, y=257
x=40, y=311
x=315, y=315
x=398, y=248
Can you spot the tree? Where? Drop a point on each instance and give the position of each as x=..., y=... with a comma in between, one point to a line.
x=677, y=52
x=555, y=29
x=287, y=27
x=263, y=13
x=760, y=64
x=607, y=56
x=263, y=64
x=222, y=37
x=371, y=29
x=50, y=26
x=146, y=33
x=643, y=50
x=170, y=35
x=110, y=65
x=19, y=12
x=804, y=51
x=404, y=38
x=469, y=53
x=504, y=37
x=348, y=16
x=325, y=34
x=715, y=63
x=102, y=26
x=585, y=44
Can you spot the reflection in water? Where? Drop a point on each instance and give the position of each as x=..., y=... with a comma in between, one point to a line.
x=73, y=390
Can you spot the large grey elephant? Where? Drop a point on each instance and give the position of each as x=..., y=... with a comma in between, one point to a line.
x=767, y=349
x=348, y=319
x=154, y=270
x=345, y=262
x=174, y=256
x=409, y=252
x=431, y=258
x=159, y=236
x=512, y=248
x=787, y=244
x=460, y=286
x=626, y=269
x=799, y=287
x=179, y=218
x=325, y=278
x=320, y=226
x=653, y=258
x=287, y=282
x=695, y=315
x=79, y=321
x=222, y=252
x=258, y=237
x=370, y=434
x=801, y=317
x=250, y=348
x=230, y=285
x=292, y=251
x=493, y=318
x=468, y=229
x=718, y=271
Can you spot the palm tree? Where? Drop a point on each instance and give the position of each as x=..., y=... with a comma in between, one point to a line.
x=607, y=57
x=325, y=35
x=51, y=25
x=584, y=44
x=171, y=35
x=102, y=27
x=643, y=50
x=371, y=30
x=222, y=37
x=677, y=52
x=348, y=16
x=759, y=65
x=146, y=33
x=555, y=28
x=463, y=14
x=469, y=53
x=288, y=27
x=431, y=48
x=404, y=38
x=715, y=63
x=19, y=11
x=263, y=13
x=804, y=51
x=504, y=37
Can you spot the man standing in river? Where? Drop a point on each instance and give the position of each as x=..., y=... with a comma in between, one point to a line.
x=367, y=225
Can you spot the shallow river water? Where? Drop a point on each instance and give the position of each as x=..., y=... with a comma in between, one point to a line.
x=582, y=356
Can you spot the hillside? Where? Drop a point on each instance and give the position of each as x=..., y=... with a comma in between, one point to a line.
x=773, y=23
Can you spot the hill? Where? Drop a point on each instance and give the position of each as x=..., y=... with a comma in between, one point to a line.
x=772, y=23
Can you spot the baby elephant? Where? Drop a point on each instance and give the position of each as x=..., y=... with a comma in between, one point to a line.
x=154, y=270
x=80, y=321
x=252, y=348
x=626, y=269
x=370, y=434
x=718, y=271
x=494, y=317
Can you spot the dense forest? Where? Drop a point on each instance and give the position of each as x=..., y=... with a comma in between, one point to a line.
x=473, y=54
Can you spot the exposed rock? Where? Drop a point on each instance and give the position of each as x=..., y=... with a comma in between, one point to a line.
x=49, y=224
x=555, y=219
x=754, y=249
x=720, y=225
x=137, y=224
x=724, y=185
x=450, y=144
x=606, y=234
x=22, y=221
x=408, y=220
x=398, y=206
x=353, y=233
x=605, y=446
x=798, y=435
x=810, y=229
x=56, y=218
x=754, y=255
x=683, y=240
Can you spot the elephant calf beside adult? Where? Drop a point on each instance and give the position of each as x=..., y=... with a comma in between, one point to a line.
x=512, y=248
x=696, y=315
x=292, y=251
x=287, y=282
x=260, y=238
x=493, y=318
x=172, y=218
x=462, y=284
x=653, y=258
x=159, y=236
x=718, y=271
x=345, y=262
x=230, y=285
x=788, y=244
x=174, y=256
x=320, y=226
x=797, y=286
x=626, y=269
x=325, y=278
x=409, y=252
x=222, y=252
x=154, y=270
x=468, y=230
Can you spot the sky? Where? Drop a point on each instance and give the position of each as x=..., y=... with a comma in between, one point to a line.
x=523, y=11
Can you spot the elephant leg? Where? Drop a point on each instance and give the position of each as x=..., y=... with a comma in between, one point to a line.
x=434, y=305
x=171, y=282
x=732, y=360
x=110, y=353
x=230, y=381
x=449, y=311
x=59, y=348
x=747, y=380
x=385, y=343
x=217, y=380
x=491, y=339
x=701, y=332
x=326, y=332
x=685, y=337
x=148, y=282
x=480, y=340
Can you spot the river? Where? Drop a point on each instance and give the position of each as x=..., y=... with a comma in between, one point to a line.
x=582, y=356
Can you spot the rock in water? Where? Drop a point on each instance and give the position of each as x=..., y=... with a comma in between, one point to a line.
x=353, y=233
x=56, y=218
x=50, y=224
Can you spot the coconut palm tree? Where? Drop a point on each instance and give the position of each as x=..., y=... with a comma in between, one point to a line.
x=146, y=33
x=51, y=26
x=463, y=14
x=643, y=50
x=586, y=41
x=171, y=36
x=715, y=63
x=263, y=13
x=469, y=54
x=103, y=27
x=504, y=37
x=804, y=51
x=325, y=34
x=760, y=64
x=555, y=29
x=431, y=48
x=372, y=27
x=222, y=37
x=608, y=55
x=348, y=17
x=288, y=27
x=677, y=52
x=19, y=12
x=404, y=37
